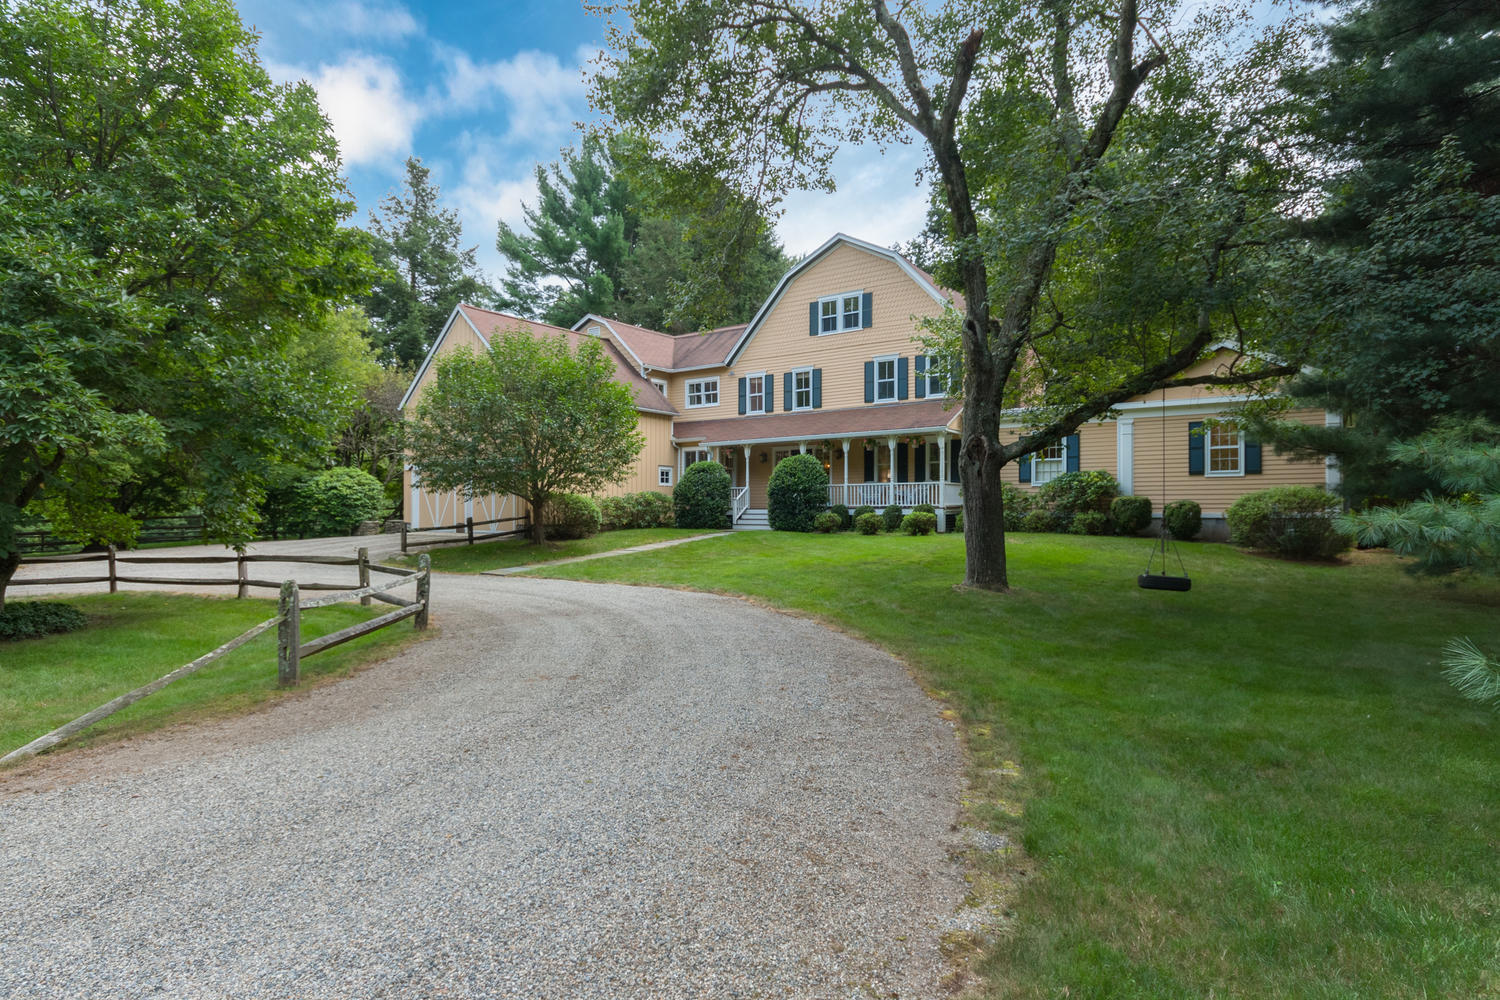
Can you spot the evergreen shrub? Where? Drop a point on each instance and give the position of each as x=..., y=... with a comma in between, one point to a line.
x=797, y=493
x=333, y=502
x=892, y=516
x=571, y=515
x=1038, y=520
x=1131, y=515
x=1017, y=503
x=919, y=522
x=1183, y=518
x=1089, y=522
x=34, y=619
x=646, y=509
x=828, y=522
x=869, y=524
x=1075, y=492
x=1300, y=521
x=846, y=521
x=702, y=498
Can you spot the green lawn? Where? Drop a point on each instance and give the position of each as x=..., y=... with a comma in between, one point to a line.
x=521, y=552
x=1262, y=788
x=136, y=637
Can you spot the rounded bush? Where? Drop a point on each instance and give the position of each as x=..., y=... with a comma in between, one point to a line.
x=1089, y=522
x=828, y=522
x=1183, y=518
x=1038, y=520
x=845, y=520
x=869, y=524
x=334, y=501
x=892, y=516
x=919, y=522
x=1131, y=515
x=646, y=509
x=1298, y=521
x=702, y=497
x=925, y=508
x=1017, y=504
x=34, y=619
x=862, y=509
x=571, y=515
x=1075, y=492
x=797, y=493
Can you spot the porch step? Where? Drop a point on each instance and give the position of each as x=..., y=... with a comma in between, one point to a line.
x=753, y=520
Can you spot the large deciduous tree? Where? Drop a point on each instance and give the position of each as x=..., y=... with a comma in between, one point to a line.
x=619, y=232
x=425, y=271
x=1060, y=135
x=170, y=228
x=529, y=417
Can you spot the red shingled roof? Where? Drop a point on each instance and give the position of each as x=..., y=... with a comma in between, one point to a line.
x=490, y=323
x=668, y=352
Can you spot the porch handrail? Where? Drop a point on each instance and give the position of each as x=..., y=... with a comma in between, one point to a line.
x=741, y=496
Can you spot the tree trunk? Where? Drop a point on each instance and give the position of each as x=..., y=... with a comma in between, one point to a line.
x=979, y=468
x=8, y=565
x=538, y=529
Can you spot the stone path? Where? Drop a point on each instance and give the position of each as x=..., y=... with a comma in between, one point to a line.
x=513, y=570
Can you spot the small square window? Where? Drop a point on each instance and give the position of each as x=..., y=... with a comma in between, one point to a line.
x=664, y=475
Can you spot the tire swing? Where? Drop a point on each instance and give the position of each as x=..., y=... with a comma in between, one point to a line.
x=1164, y=580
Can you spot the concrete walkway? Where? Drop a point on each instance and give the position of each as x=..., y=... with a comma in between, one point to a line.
x=573, y=791
x=513, y=570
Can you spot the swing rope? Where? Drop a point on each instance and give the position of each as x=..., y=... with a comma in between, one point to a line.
x=1180, y=581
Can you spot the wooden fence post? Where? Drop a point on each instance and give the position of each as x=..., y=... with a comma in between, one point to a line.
x=364, y=574
x=403, y=537
x=469, y=528
x=289, y=636
x=242, y=573
x=114, y=585
x=424, y=590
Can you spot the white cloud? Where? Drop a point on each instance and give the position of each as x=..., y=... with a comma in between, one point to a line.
x=352, y=18
x=492, y=186
x=543, y=97
x=364, y=99
x=878, y=199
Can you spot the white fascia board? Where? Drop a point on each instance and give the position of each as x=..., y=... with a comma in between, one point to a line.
x=432, y=353
x=615, y=339
x=1179, y=406
x=664, y=413
x=813, y=258
x=799, y=438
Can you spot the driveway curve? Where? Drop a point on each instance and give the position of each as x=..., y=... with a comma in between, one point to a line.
x=574, y=790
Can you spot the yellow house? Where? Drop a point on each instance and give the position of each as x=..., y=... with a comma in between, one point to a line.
x=829, y=365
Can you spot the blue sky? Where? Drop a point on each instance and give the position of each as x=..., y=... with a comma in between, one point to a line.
x=482, y=93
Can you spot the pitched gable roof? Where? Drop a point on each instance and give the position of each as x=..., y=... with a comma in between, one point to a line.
x=667, y=352
x=923, y=280
x=486, y=323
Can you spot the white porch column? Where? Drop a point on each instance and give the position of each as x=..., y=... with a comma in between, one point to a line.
x=747, y=467
x=802, y=447
x=941, y=444
x=844, y=445
x=1125, y=454
x=890, y=443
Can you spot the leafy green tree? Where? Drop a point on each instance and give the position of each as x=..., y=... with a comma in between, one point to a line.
x=618, y=232
x=1406, y=250
x=425, y=272
x=170, y=229
x=1068, y=140
x=530, y=417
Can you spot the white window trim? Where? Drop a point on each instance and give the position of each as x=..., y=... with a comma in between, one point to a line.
x=687, y=392
x=749, y=407
x=895, y=360
x=928, y=376
x=664, y=475
x=683, y=461
x=838, y=301
x=1037, y=460
x=802, y=371
x=1208, y=455
x=661, y=385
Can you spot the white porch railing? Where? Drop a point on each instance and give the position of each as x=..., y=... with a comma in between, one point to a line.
x=884, y=494
x=741, y=497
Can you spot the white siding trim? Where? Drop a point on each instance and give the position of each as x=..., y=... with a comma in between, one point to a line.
x=1125, y=454
x=1333, y=476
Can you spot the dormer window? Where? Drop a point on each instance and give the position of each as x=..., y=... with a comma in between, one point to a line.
x=837, y=313
x=594, y=331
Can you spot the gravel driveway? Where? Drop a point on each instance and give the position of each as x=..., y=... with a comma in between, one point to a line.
x=575, y=790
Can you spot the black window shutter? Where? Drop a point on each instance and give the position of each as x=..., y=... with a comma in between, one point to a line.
x=742, y=397
x=921, y=376
x=900, y=378
x=919, y=464
x=786, y=391
x=1195, y=448
x=900, y=477
x=1023, y=468
x=1071, y=443
x=817, y=388
x=1252, y=457
x=869, y=465
x=867, y=311
x=812, y=319
x=770, y=393
x=869, y=384
x=953, y=444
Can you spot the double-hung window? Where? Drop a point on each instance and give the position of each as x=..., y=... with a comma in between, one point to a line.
x=885, y=378
x=755, y=394
x=1226, y=450
x=1049, y=463
x=703, y=392
x=937, y=382
x=837, y=313
x=934, y=461
x=802, y=394
x=691, y=455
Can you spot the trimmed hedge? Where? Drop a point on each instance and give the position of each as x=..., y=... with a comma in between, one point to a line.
x=1183, y=518
x=333, y=502
x=924, y=508
x=892, y=516
x=646, y=509
x=919, y=522
x=869, y=524
x=702, y=498
x=34, y=619
x=827, y=523
x=1298, y=521
x=1075, y=492
x=797, y=493
x=1131, y=515
x=571, y=515
x=862, y=509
